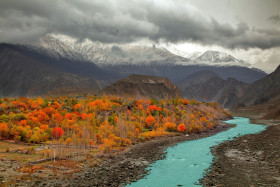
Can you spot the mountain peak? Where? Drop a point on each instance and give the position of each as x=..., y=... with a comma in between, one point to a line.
x=216, y=57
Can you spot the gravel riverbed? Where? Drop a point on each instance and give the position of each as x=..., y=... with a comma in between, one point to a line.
x=250, y=160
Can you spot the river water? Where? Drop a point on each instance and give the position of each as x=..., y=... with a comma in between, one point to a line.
x=186, y=162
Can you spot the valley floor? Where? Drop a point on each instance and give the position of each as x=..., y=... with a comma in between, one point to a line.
x=115, y=170
x=250, y=160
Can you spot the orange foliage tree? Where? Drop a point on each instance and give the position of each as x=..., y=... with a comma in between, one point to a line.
x=150, y=121
x=3, y=129
x=57, y=132
x=181, y=128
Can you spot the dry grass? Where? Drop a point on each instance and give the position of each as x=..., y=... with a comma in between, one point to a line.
x=12, y=146
x=30, y=169
x=66, y=163
x=4, y=146
x=21, y=157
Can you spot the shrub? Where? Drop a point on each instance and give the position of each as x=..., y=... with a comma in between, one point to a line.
x=169, y=126
x=181, y=128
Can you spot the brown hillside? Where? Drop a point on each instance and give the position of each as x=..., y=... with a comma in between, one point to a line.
x=143, y=86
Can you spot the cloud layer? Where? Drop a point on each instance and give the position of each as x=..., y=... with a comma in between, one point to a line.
x=275, y=18
x=122, y=21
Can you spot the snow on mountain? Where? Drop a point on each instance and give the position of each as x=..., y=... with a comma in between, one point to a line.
x=60, y=46
x=178, y=52
x=220, y=59
x=104, y=54
x=194, y=55
x=210, y=58
x=216, y=57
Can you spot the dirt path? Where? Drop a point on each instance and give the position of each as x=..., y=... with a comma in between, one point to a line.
x=250, y=160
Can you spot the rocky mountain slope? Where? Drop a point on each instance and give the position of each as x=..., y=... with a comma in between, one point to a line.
x=231, y=93
x=142, y=86
x=207, y=86
x=24, y=74
x=196, y=78
x=265, y=90
x=262, y=98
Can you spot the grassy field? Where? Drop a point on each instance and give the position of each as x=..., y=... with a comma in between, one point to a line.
x=21, y=157
x=4, y=146
x=12, y=146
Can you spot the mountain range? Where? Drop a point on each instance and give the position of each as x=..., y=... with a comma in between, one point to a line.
x=265, y=90
x=210, y=87
x=262, y=97
x=136, y=59
x=58, y=66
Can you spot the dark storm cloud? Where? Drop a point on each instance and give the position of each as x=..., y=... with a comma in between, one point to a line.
x=124, y=21
x=117, y=51
x=275, y=18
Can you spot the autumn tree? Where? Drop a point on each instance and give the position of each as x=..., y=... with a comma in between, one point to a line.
x=150, y=121
x=57, y=132
x=68, y=141
x=181, y=128
x=3, y=129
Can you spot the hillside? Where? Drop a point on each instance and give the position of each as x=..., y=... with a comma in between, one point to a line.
x=215, y=89
x=22, y=74
x=265, y=90
x=196, y=78
x=142, y=86
x=262, y=98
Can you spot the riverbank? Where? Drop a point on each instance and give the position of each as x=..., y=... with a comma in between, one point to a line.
x=126, y=167
x=250, y=160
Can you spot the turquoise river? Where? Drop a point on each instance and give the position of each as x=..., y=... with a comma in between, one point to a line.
x=186, y=162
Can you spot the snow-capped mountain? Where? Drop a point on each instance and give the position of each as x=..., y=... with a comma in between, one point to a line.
x=104, y=54
x=219, y=58
x=211, y=58
x=58, y=48
x=194, y=55
x=216, y=57
x=122, y=60
x=106, y=63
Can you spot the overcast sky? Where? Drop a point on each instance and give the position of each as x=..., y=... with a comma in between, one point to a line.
x=247, y=29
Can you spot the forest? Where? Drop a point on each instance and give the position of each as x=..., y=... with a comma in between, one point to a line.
x=102, y=124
